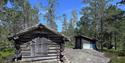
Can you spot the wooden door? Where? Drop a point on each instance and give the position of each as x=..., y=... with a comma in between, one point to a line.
x=41, y=47
x=32, y=49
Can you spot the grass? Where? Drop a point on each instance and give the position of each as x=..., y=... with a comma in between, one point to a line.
x=115, y=56
x=69, y=45
x=4, y=54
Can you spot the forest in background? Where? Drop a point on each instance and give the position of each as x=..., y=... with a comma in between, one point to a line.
x=99, y=19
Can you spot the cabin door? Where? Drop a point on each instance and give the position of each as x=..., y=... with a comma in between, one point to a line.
x=44, y=46
x=32, y=49
x=39, y=47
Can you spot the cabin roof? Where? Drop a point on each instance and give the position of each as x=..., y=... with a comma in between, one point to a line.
x=86, y=38
x=39, y=28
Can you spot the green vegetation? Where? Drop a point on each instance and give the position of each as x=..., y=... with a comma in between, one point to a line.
x=115, y=56
x=12, y=20
x=69, y=45
x=19, y=16
x=103, y=21
x=6, y=52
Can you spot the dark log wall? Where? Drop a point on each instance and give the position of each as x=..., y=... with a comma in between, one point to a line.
x=62, y=51
x=39, y=44
x=40, y=49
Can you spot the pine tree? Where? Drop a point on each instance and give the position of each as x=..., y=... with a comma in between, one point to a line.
x=84, y=23
x=65, y=24
x=93, y=19
x=71, y=28
x=50, y=15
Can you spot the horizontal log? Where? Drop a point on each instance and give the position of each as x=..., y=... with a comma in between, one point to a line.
x=37, y=55
x=50, y=52
x=26, y=54
x=42, y=59
x=40, y=56
x=54, y=45
x=54, y=49
x=49, y=48
x=28, y=57
x=25, y=49
x=41, y=34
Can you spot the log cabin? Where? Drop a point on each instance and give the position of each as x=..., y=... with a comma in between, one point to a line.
x=39, y=43
x=83, y=42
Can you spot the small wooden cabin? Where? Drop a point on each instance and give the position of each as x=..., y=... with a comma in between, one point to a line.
x=83, y=42
x=39, y=42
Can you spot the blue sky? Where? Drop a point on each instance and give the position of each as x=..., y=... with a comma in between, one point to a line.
x=65, y=6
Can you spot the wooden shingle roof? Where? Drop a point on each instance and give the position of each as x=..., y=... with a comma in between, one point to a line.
x=38, y=30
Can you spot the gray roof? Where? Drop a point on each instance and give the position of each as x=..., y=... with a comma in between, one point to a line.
x=85, y=37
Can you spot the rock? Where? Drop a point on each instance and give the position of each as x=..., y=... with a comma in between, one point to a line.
x=84, y=56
